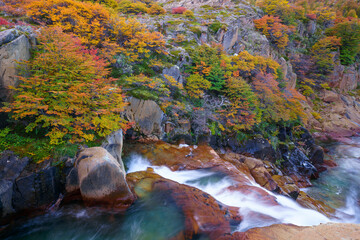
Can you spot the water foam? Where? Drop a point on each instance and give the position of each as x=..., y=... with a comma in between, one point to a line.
x=288, y=211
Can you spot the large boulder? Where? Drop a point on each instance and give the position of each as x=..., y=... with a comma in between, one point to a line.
x=258, y=148
x=298, y=162
x=6, y=187
x=260, y=174
x=290, y=76
x=26, y=186
x=147, y=116
x=100, y=177
x=345, y=78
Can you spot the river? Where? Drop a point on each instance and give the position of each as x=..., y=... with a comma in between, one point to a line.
x=158, y=217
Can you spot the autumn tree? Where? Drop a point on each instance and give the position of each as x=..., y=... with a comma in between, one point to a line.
x=303, y=66
x=322, y=53
x=130, y=7
x=273, y=29
x=207, y=62
x=88, y=21
x=275, y=7
x=68, y=93
x=277, y=104
x=156, y=9
x=241, y=113
x=247, y=65
x=349, y=32
x=196, y=86
x=114, y=4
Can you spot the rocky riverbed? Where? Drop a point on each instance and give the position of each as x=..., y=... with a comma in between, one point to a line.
x=181, y=192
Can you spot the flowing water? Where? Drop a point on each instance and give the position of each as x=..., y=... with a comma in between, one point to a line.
x=339, y=187
x=158, y=217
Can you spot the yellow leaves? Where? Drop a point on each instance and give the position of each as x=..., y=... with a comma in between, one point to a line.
x=275, y=7
x=246, y=63
x=82, y=18
x=173, y=83
x=196, y=85
x=324, y=14
x=74, y=99
x=56, y=136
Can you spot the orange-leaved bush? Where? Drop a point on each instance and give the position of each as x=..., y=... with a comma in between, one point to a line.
x=96, y=26
x=14, y=7
x=68, y=93
x=89, y=21
x=246, y=65
x=277, y=104
x=273, y=29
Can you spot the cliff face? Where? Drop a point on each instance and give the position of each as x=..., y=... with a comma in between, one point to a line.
x=346, y=78
x=196, y=3
x=14, y=47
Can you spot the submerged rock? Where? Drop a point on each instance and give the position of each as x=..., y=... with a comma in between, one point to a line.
x=204, y=216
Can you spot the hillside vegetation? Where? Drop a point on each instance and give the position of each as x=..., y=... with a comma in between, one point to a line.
x=91, y=56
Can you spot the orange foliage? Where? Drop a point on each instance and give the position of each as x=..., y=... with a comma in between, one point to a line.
x=95, y=26
x=14, y=7
x=272, y=28
x=156, y=9
x=277, y=104
x=68, y=92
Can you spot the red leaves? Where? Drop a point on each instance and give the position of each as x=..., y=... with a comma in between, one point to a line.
x=311, y=16
x=4, y=22
x=178, y=10
x=277, y=104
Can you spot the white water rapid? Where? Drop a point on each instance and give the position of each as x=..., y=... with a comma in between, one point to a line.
x=288, y=211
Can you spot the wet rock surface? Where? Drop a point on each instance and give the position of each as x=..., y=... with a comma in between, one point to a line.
x=204, y=216
x=241, y=169
x=26, y=186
